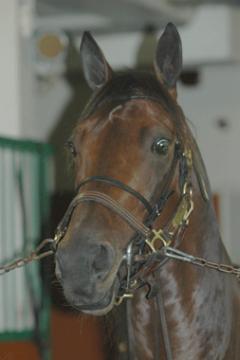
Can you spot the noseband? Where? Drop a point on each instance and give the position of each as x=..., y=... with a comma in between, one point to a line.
x=146, y=234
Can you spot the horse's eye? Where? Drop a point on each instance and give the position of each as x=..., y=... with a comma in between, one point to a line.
x=160, y=146
x=71, y=147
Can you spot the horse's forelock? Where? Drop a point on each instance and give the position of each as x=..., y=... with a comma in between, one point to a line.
x=129, y=85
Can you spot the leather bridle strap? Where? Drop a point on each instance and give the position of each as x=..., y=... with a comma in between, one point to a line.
x=119, y=184
x=108, y=202
x=164, y=326
x=165, y=191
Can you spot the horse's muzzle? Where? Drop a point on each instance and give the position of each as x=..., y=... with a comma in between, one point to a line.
x=83, y=271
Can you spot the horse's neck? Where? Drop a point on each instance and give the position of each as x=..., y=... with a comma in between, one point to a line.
x=198, y=302
x=196, y=299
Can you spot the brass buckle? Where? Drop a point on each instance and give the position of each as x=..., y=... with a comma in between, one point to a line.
x=120, y=299
x=59, y=235
x=158, y=235
x=187, y=191
x=188, y=212
x=188, y=155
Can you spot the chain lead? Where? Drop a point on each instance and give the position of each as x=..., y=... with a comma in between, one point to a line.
x=34, y=255
x=198, y=261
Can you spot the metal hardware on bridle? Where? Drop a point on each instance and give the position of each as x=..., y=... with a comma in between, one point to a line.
x=181, y=218
x=158, y=235
x=129, y=259
x=128, y=294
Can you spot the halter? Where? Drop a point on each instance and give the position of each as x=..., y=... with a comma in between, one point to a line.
x=150, y=242
x=145, y=234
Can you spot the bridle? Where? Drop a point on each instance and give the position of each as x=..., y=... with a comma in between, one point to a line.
x=145, y=234
x=144, y=253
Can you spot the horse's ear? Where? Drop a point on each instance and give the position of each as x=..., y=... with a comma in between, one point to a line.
x=95, y=67
x=168, y=59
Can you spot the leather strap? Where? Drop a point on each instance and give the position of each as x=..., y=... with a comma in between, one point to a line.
x=165, y=189
x=119, y=184
x=164, y=327
x=108, y=202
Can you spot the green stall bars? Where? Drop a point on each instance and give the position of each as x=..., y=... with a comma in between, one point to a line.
x=26, y=182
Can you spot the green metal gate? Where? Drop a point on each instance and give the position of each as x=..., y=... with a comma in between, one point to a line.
x=26, y=181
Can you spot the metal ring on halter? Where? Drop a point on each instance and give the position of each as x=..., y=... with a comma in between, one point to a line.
x=128, y=257
x=158, y=235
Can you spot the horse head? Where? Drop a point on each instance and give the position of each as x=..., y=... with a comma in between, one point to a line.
x=126, y=148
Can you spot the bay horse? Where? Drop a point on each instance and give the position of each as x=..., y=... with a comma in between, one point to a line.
x=142, y=188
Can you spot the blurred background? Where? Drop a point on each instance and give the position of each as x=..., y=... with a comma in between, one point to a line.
x=42, y=93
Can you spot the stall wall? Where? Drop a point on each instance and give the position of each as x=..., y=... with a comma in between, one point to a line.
x=213, y=110
x=10, y=122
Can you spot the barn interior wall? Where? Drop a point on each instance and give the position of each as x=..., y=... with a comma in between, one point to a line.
x=213, y=108
x=10, y=123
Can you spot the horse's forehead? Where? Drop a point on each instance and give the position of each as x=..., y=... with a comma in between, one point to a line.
x=140, y=108
x=138, y=112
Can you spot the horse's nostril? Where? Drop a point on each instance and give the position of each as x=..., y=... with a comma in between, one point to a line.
x=78, y=268
x=103, y=260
